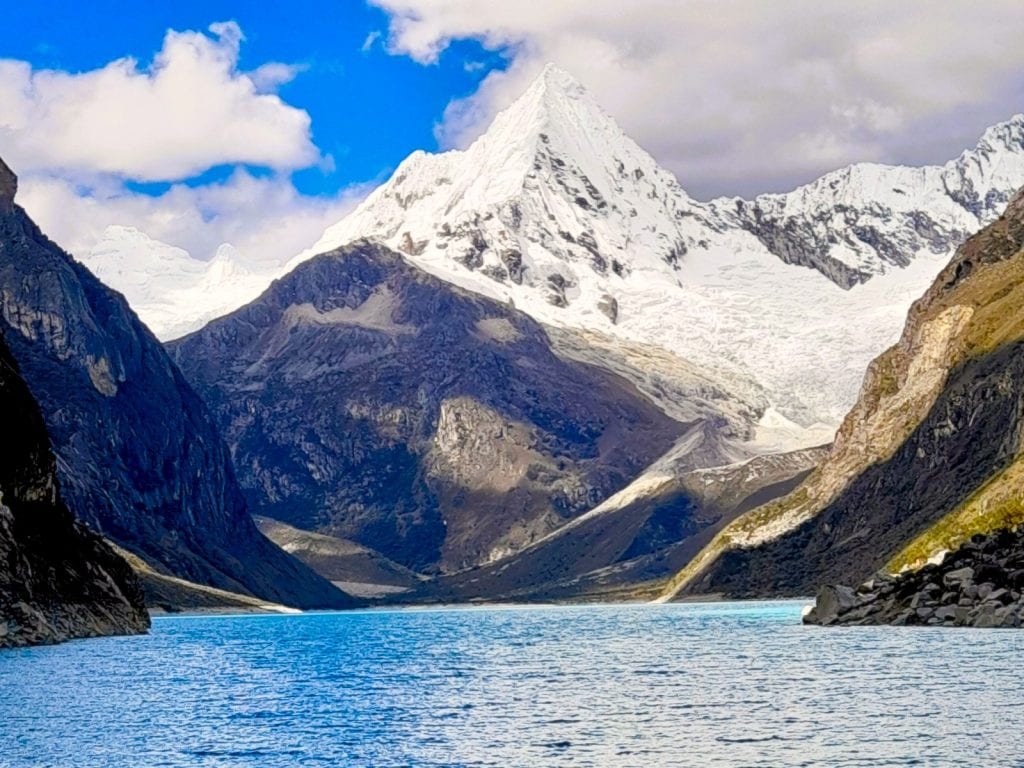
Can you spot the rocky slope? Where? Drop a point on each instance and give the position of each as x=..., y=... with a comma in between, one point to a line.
x=979, y=585
x=356, y=569
x=138, y=455
x=780, y=301
x=929, y=456
x=365, y=399
x=629, y=544
x=58, y=580
x=626, y=547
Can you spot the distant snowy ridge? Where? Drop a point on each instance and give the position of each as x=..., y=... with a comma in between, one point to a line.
x=781, y=301
x=172, y=292
x=868, y=219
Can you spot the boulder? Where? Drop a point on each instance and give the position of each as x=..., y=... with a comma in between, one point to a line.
x=831, y=602
x=958, y=576
x=981, y=586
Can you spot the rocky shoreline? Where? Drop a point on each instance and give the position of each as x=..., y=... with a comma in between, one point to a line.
x=978, y=585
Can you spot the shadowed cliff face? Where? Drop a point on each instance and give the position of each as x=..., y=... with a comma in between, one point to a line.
x=58, y=580
x=971, y=433
x=930, y=455
x=366, y=399
x=139, y=457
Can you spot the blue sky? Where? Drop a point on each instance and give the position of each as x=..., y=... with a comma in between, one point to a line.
x=369, y=109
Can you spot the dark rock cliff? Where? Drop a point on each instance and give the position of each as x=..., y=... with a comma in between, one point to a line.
x=58, y=580
x=366, y=399
x=139, y=457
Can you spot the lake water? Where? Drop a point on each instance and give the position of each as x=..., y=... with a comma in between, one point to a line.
x=730, y=684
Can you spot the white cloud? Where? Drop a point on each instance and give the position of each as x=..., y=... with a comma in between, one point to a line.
x=266, y=219
x=267, y=78
x=371, y=40
x=738, y=96
x=191, y=109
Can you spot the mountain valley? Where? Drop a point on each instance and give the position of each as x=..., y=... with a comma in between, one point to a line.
x=537, y=369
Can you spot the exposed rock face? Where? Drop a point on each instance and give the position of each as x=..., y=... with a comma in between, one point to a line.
x=368, y=400
x=139, y=456
x=979, y=585
x=934, y=437
x=8, y=188
x=58, y=580
x=970, y=434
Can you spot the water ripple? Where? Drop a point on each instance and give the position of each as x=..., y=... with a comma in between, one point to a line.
x=706, y=685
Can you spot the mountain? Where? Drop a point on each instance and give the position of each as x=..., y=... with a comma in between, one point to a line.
x=778, y=302
x=139, y=457
x=868, y=220
x=627, y=546
x=352, y=567
x=930, y=455
x=365, y=399
x=781, y=301
x=58, y=580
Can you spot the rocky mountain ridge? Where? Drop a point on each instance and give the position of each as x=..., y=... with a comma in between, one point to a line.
x=139, y=457
x=58, y=579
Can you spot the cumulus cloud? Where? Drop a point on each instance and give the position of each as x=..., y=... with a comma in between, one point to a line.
x=191, y=109
x=738, y=96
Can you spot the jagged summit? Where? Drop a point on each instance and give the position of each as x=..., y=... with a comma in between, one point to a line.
x=866, y=220
x=550, y=195
x=555, y=110
x=1008, y=134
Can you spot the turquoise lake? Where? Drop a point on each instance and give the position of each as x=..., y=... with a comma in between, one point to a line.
x=726, y=684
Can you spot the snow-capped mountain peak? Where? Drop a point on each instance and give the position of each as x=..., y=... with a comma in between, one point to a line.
x=555, y=209
x=173, y=292
x=869, y=219
x=553, y=197
x=771, y=307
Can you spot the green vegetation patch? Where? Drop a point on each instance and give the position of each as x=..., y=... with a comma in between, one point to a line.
x=996, y=505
